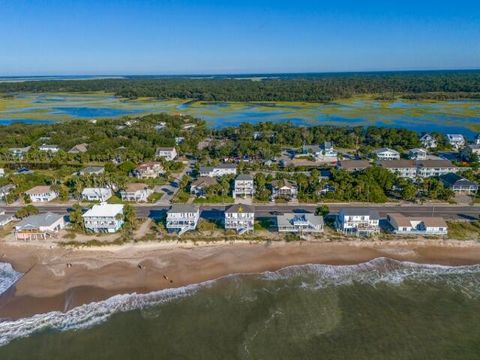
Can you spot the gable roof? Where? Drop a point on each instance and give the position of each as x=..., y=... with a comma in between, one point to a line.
x=108, y=210
x=240, y=208
x=183, y=208
x=37, y=221
x=244, y=177
x=361, y=212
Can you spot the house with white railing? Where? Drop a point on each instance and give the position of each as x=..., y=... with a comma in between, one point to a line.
x=240, y=218
x=300, y=223
x=421, y=225
x=244, y=186
x=104, y=218
x=358, y=221
x=182, y=218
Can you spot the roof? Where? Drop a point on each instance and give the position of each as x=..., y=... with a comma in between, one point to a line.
x=149, y=164
x=417, y=150
x=354, y=164
x=240, y=208
x=204, y=181
x=39, y=190
x=284, y=182
x=7, y=187
x=361, y=212
x=92, y=169
x=395, y=164
x=136, y=187
x=104, y=210
x=452, y=179
x=183, y=208
x=37, y=221
x=166, y=148
x=406, y=221
x=244, y=177
x=79, y=148
x=435, y=163
x=96, y=190
x=385, y=150
x=288, y=218
x=426, y=136
x=455, y=136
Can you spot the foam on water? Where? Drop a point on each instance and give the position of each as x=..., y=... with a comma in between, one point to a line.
x=8, y=277
x=378, y=271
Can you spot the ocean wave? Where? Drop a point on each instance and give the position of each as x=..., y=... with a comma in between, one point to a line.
x=8, y=276
x=312, y=276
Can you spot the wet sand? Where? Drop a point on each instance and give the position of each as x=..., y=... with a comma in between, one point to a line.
x=96, y=274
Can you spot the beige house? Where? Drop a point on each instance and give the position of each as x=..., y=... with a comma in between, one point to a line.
x=136, y=192
x=41, y=194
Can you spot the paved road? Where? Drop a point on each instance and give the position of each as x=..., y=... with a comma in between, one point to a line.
x=210, y=211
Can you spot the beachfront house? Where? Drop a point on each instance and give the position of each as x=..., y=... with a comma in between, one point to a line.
x=92, y=170
x=284, y=189
x=387, y=154
x=136, y=192
x=458, y=184
x=199, y=186
x=104, y=218
x=49, y=148
x=417, y=154
x=422, y=225
x=300, y=223
x=19, y=153
x=240, y=218
x=353, y=165
x=5, y=218
x=244, y=186
x=96, y=194
x=148, y=170
x=39, y=227
x=78, y=149
x=358, y=221
x=428, y=141
x=182, y=218
x=456, y=140
x=41, y=194
x=218, y=170
x=167, y=153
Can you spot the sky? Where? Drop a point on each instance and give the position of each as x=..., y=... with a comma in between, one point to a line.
x=113, y=37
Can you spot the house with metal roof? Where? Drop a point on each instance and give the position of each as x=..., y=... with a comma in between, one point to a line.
x=182, y=218
x=300, y=223
x=459, y=184
x=39, y=226
x=358, y=221
x=240, y=217
x=421, y=225
x=104, y=218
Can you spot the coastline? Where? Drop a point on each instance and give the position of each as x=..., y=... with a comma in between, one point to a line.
x=95, y=274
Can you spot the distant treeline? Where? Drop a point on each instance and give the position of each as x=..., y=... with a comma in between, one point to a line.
x=438, y=85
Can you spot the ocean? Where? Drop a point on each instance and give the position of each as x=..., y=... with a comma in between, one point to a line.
x=383, y=309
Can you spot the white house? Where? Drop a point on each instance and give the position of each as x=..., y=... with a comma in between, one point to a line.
x=2, y=172
x=417, y=154
x=240, y=218
x=49, y=148
x=5, y=219
x=5, y=190
x=104, y=218
x=300, y=223
x=403, y=168
x=136, y=192
x=284, y=189
x=328, y=151
x=182, y=218
x=160, y=126
x=218, y=170
x=244, y=186
x=167, y=153
x=96, y=194
x=428, y=141
x=179, y=140
x=387, y=154
x=358, y=221
x=424, y=225
x=39, y=227
x=19, y=152
x=456, y=140
x=41, y=194
x=148, y=170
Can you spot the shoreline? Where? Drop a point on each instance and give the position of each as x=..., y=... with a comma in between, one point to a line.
x=95, y=274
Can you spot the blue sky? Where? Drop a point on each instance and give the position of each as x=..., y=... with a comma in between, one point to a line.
x=184, y=37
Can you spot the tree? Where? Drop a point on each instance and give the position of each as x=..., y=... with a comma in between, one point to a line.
x=322, y=210
x=26, y=211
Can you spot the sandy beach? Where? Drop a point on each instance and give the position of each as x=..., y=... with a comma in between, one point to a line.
x=60, y=279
